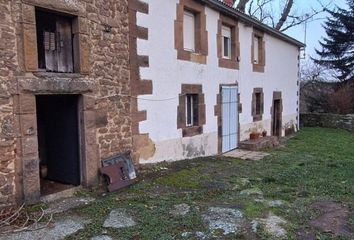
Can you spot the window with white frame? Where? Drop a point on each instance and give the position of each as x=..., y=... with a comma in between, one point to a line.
x=257, y=41
x=191, y=110
x=189, y=31
x=226, y=42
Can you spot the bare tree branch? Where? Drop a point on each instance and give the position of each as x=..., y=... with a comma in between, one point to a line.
x=264, y=12
x=286, y=11
x=241, y=6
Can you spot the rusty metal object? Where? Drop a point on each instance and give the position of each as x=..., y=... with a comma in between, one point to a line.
x=117, y=175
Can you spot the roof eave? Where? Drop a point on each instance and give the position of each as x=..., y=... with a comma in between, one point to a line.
x=220, y=6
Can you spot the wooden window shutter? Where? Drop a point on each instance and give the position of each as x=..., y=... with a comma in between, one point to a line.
x=49, y=44
x=64, y=46
x=49, y=41
x=189, y=31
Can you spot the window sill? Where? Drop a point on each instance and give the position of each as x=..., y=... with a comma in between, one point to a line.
x=257, y=118
x=44, y=74
x=228, y=63
x=258, y=68
x=196, y=57
x=192, y=131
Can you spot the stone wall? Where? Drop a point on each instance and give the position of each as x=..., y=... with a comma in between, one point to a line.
x=102, y=82
x=8, y=72
x=327, y=120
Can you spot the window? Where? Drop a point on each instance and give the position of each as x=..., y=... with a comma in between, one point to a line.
x=54, y=42
x=228, y=45
x=226, y=42
x=257, y=104
x=191, y=36
x=191, y=110
x=256, y=49
x=189, y=31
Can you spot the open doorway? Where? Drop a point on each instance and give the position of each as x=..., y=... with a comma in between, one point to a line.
x=58, y=141
x=277, y=118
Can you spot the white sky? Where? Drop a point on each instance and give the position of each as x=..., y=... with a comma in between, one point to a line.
x=315, y=30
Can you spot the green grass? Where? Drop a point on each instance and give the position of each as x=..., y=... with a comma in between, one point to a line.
x=315, y=165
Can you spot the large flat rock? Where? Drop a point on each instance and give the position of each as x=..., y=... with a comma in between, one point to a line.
x=227, y=219
x=62, y=228
x=119, y=218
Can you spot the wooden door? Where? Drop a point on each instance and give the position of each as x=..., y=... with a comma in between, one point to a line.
x=65, y=47
x=276, y=128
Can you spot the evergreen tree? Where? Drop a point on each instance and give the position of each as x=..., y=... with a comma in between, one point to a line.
x=338, y=47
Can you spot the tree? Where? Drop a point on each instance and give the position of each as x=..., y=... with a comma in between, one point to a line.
x=315, y=88
x=338, y=47
x=320, y=93
x=263, y=10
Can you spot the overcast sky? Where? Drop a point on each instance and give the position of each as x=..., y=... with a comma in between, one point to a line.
x=315, y=30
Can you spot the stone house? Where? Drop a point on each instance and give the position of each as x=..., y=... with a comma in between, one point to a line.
x=206, y=77
x=65, y=87
x=84, y=80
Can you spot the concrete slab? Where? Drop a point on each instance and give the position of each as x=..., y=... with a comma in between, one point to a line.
x=246, y=155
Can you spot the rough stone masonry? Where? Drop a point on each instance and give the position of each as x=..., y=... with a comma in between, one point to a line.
x=100, y=79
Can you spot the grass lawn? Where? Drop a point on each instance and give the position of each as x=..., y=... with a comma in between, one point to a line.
x=317, y=165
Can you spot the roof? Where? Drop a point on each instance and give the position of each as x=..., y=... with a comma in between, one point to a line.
x=219, y=5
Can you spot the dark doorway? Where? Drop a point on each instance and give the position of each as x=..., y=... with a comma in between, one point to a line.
x=277, y=118
x=58, y=140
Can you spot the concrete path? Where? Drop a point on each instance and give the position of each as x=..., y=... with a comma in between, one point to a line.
x=246, y=155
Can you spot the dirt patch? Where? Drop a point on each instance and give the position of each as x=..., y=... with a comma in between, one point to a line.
x=333, y=219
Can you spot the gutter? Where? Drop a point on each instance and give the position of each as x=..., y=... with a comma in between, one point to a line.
x=220, y=6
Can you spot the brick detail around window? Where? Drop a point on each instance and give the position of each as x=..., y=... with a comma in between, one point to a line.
x=218, y=114
x=258, y=67
x=81, y=51
x=201, y=37
x=232, y=63
x=257, y=116
x=143, y=147
x=181, y=110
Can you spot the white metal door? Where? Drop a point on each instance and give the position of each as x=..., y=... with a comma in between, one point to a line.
x=229, y=118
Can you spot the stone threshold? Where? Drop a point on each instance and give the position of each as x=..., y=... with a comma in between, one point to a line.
x=60, y=195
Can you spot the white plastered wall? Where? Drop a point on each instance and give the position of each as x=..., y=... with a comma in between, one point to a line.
x=168, y=74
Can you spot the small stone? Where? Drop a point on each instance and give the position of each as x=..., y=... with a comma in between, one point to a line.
x=201, y=235
x=186, y=234
x=180, y=210
x=254, y=225
x=118, y=218
x=273, y=226
x=102, y=237
x=275, y=203
x=227, y=219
